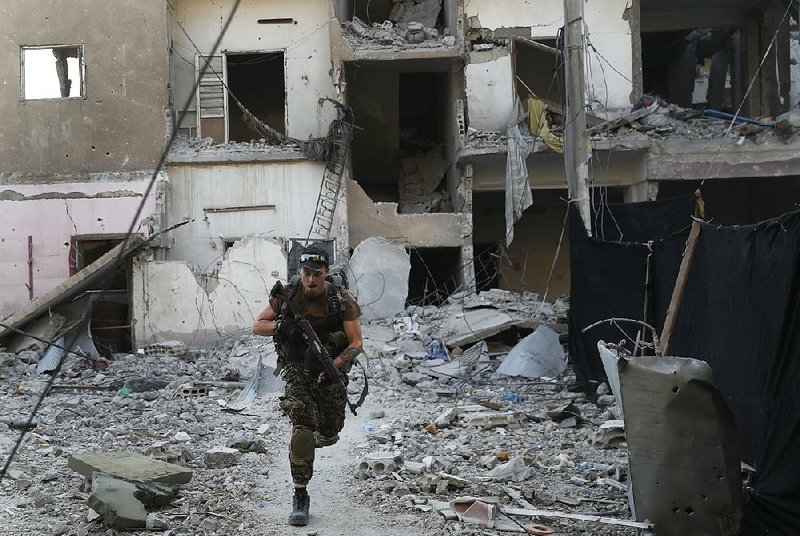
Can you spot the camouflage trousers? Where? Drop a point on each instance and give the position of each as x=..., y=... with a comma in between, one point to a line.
x=317, y=415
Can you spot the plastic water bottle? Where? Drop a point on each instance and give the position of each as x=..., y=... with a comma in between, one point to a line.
x=367, y=427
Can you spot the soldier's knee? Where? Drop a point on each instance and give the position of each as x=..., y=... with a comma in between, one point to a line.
x=301, y=446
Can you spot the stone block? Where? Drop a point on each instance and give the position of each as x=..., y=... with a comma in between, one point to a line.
x=539, y=354
x=221, y=457
x=115, y=500
x=129, y=466
x=378, y=277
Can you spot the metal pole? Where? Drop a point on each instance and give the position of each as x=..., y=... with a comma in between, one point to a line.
x=576, y=143
x=30, y=268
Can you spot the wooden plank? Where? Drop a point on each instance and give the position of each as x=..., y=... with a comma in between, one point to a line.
x=680, y=284
x=532, y=512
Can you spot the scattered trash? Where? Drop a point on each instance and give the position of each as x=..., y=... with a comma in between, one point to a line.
x=515, y=469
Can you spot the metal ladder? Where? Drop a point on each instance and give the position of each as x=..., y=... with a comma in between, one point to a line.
x=340, y=133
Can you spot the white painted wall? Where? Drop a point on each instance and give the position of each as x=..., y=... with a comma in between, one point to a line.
x=609, y=66
x=292, y=187
x=171, y=303
x=306, y=45
x=794, y=44
x=45, y=212
x=490, y=91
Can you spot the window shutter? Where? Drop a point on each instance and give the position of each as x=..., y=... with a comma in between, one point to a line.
x=210, y=99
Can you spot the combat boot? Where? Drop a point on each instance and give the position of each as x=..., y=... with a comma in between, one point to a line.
x=300, y=504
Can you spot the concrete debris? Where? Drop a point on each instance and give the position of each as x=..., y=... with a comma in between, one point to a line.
x=167, y=348
x=221, y=457
x=611, y=434
x=564, y=412
x=514, y=469
x=129, y=466
x=379, y=277
x=114, y=499
x=539, y=354
x=474, y=325
x=248, y=443
x=411, y=24
x=492, y=419
x=474, y=511
x=380, y=463
x=421, y=471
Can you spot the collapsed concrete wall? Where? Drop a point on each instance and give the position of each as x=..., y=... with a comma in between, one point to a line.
x=490, y=89
x=378, y=274
x=609, y=60
x=367, y=219
x=52, y=215
x=172, y=301
x=231, y=201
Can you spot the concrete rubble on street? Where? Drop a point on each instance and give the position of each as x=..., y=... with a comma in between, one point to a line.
x=462, y=444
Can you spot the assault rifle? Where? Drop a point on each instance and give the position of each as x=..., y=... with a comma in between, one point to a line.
x=315, y=345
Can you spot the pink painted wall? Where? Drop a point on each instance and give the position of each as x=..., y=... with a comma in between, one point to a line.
x=52, y=222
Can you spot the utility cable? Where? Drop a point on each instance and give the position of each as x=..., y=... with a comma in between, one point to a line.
x=124, y=250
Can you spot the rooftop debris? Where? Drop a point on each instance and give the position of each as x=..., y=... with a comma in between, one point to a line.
x=410, y=25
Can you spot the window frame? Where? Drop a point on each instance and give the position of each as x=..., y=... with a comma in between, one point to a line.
x=223, y=54
x=81, y=71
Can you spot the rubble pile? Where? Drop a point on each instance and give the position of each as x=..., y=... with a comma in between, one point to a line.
x=663, y=121
x=455, y=428
x=185, y=147
x=396, y=34
x=160, y=405
x=446, y=436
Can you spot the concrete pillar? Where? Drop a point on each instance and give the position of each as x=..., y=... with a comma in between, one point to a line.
x=467, y=251
x=641, y=191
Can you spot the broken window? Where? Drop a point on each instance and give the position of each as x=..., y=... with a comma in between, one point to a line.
x=434, y=275
x=538, y=72
x=52, y=72
x=399, y=153
x=256, y=80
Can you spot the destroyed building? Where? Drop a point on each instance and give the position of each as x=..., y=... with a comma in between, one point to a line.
x=433, y=88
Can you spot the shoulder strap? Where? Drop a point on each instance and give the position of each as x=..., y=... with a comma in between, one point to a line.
x=334, y=303
x=294, y=296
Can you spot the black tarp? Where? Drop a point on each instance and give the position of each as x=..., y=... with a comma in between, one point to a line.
x=609, y=272
x=740, y=313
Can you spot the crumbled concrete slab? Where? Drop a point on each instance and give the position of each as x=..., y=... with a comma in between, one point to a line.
x=378, y=276
x=539, y=354
x=221, y=457
x=475, y=325
x=129, y=466
x=425, y=13
x=115, y=500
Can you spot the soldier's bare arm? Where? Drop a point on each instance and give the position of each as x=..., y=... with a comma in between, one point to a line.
x=352, y=328
x=265, y=323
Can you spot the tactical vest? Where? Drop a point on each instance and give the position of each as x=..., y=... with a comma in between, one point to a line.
x=294, y=351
